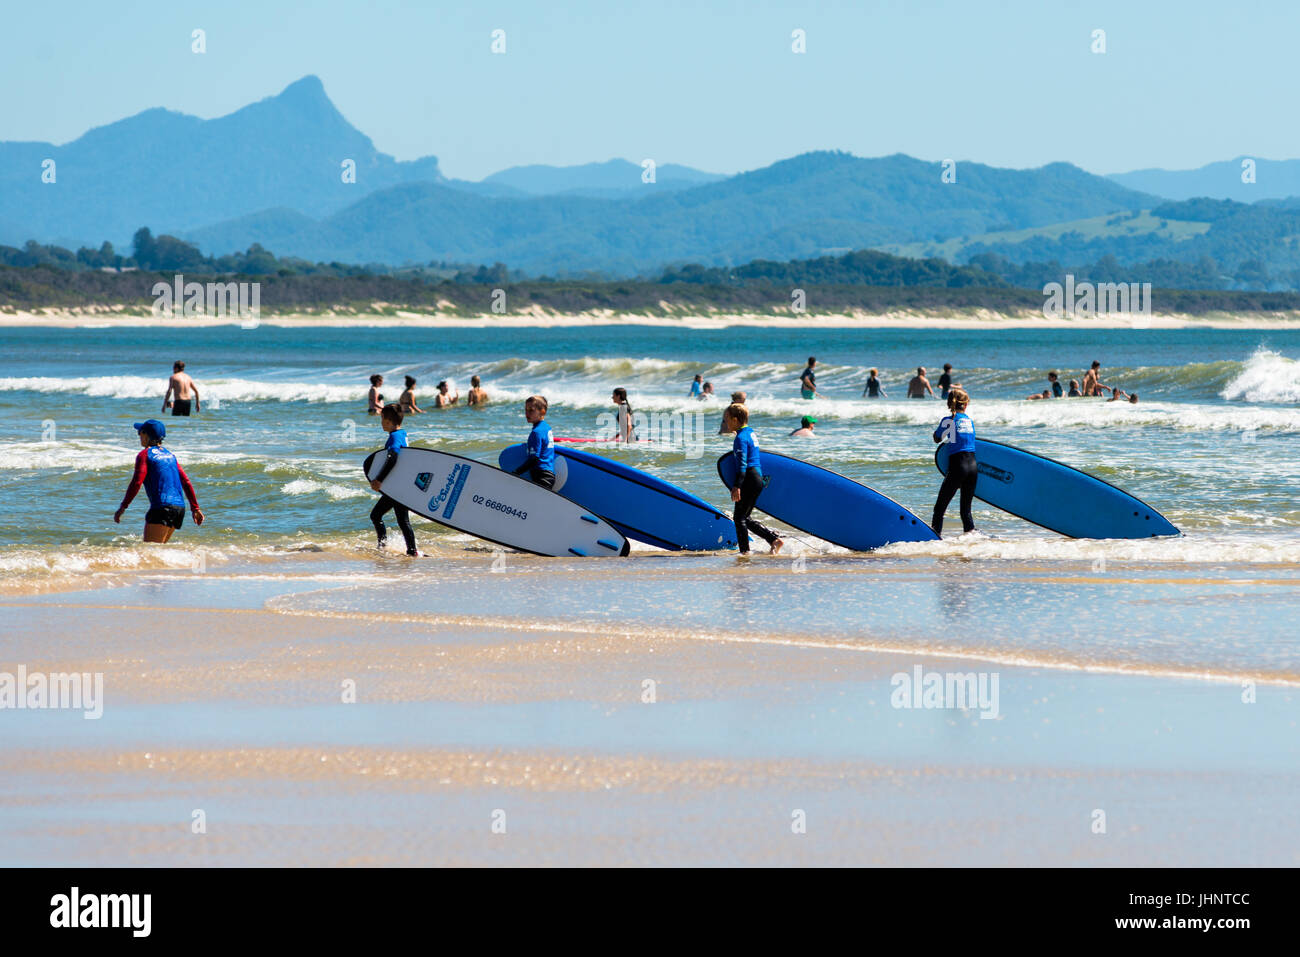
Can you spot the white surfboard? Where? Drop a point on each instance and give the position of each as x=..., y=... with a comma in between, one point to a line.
x=496, y=506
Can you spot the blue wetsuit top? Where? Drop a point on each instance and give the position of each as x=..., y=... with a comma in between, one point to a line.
x=959, y=431
x=541, y=447
x=396, y=442
x=745, y=449
x=695, y=389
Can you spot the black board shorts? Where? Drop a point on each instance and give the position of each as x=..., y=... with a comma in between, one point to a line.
x=181, y=407
x=173, y=516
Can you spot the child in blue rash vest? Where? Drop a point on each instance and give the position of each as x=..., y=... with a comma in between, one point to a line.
x=749, y=480
x=958, y=431
x=164, y=481
x=697, y=387
x=540, y=464
x=391, y=419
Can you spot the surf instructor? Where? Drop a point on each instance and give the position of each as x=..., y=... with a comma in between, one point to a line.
x=164, y=482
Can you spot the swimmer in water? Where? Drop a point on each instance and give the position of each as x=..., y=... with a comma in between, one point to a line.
x=406, y=401
x=805, y=429
x=445, y=396
x=625, y=424
x=1045, y=394
x=477, y=394
x=958, y=431
x=696, y=387
x=164, y=481
x=375, y=400
x=1092, y=384
x=873, y=389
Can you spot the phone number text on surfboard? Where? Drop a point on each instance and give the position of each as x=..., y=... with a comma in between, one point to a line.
x=501, y=507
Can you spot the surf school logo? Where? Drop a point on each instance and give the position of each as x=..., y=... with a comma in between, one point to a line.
x=422, y=481
x=995, y=473
x=451, y=489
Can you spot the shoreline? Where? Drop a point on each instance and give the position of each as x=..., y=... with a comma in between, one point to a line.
x=115, y=317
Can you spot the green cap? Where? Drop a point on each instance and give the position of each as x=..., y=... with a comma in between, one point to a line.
x=807, y=420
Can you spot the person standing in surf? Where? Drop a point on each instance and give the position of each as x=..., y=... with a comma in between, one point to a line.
x=540, y=464
x=183, y=387
x=737, y=398
x=873, y=389
x=1092, y=384
x=406, y=401
x=808, y=379
x=945, y=381
x=919, y=385
x=164, y=481
x=958, y=431
x=626, y=432
x=446, y=396
x=391, y=420
x=477, y=394
x=749, y=480
x=374, y=399
x=697, y=386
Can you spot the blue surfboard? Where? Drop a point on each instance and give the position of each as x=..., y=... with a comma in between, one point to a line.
x=1056, y=496
x=638, y=504
x=829, y=505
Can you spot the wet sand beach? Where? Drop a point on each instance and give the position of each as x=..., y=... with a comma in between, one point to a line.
x=224, y=693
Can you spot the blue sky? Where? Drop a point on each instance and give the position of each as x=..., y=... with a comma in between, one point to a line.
x=710, y=84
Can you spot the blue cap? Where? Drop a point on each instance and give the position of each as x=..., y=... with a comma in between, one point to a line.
x=153, y=427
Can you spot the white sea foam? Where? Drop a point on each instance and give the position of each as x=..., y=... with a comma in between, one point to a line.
x=90, y=456
x=330, y=489
x=224, y=390
x=1266, y=377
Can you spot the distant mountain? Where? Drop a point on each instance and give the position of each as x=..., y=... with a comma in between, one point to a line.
x=797, y=208
x=1274, y=179
x=175, y=172
x=612, y=179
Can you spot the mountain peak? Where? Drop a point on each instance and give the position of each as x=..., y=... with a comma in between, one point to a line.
x=309, y=89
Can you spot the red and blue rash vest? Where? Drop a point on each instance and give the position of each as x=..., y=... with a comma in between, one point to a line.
x=164, y=481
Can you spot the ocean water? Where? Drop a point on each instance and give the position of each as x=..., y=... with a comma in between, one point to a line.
x=1214, y=444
